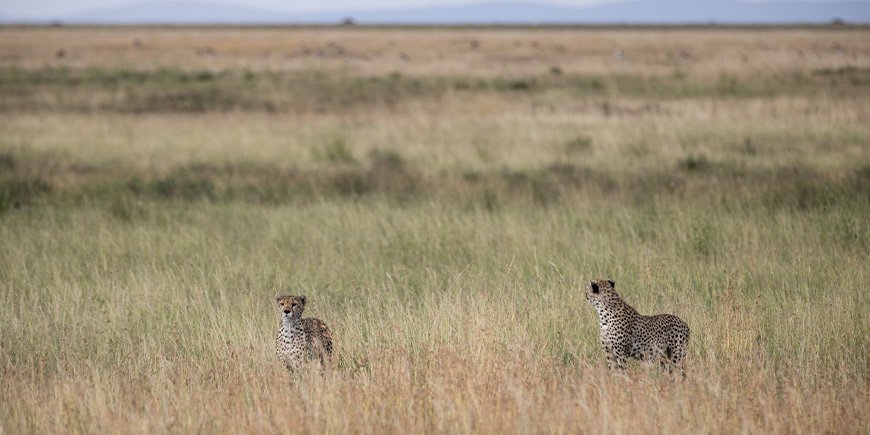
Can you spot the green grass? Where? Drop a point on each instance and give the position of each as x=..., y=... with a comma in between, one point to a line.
x=201, y=262
x=173, y=89
x=186, y=288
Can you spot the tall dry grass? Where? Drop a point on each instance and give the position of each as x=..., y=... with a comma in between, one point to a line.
x=445, y=320
x=442, y=219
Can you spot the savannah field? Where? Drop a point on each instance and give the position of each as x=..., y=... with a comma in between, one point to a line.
x=441, y=195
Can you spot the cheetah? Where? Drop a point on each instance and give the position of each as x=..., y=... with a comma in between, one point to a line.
x=625, y=333
x=300, y=340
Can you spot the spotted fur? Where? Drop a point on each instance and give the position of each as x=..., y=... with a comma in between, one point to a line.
x=625, y=333
x=300, y=340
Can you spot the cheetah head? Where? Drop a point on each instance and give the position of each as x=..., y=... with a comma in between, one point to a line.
x=599, y=290
x=290, y=305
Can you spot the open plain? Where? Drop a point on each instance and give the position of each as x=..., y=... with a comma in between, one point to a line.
x=441, y=195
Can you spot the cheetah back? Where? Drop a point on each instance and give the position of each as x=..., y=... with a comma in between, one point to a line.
x=660, y=336
x=318, y=339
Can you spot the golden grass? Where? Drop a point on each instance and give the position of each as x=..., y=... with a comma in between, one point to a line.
x=456, y=133
x=444, y=235
x=416, y=51
x=440, y=392
x=445, y=321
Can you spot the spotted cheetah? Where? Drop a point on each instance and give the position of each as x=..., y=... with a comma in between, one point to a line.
x=300, y=340
x=625, y=333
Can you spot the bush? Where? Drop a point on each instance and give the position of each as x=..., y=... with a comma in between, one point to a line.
x=20, y=192
x=336, y=151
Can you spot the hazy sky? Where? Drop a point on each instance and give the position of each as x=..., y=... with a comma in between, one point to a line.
x=64, y=7
x=55, y=8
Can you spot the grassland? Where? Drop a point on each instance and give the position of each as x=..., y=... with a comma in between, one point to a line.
x=440, y=195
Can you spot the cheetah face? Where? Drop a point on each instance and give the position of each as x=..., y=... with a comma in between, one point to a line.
x=290, y=305
x=599, y=290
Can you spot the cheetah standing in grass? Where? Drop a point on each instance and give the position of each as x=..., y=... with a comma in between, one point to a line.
x=300, y=340
x=625, y=333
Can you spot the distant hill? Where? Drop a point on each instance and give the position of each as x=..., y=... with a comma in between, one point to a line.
x=627, y=12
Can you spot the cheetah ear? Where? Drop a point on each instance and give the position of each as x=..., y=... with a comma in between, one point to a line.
x=303, y=299
x=612, y=284
x=594, y=287
x=277, y=296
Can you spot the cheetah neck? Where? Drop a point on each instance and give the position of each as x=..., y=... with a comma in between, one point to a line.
x=289, y=323
x=607, y=309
